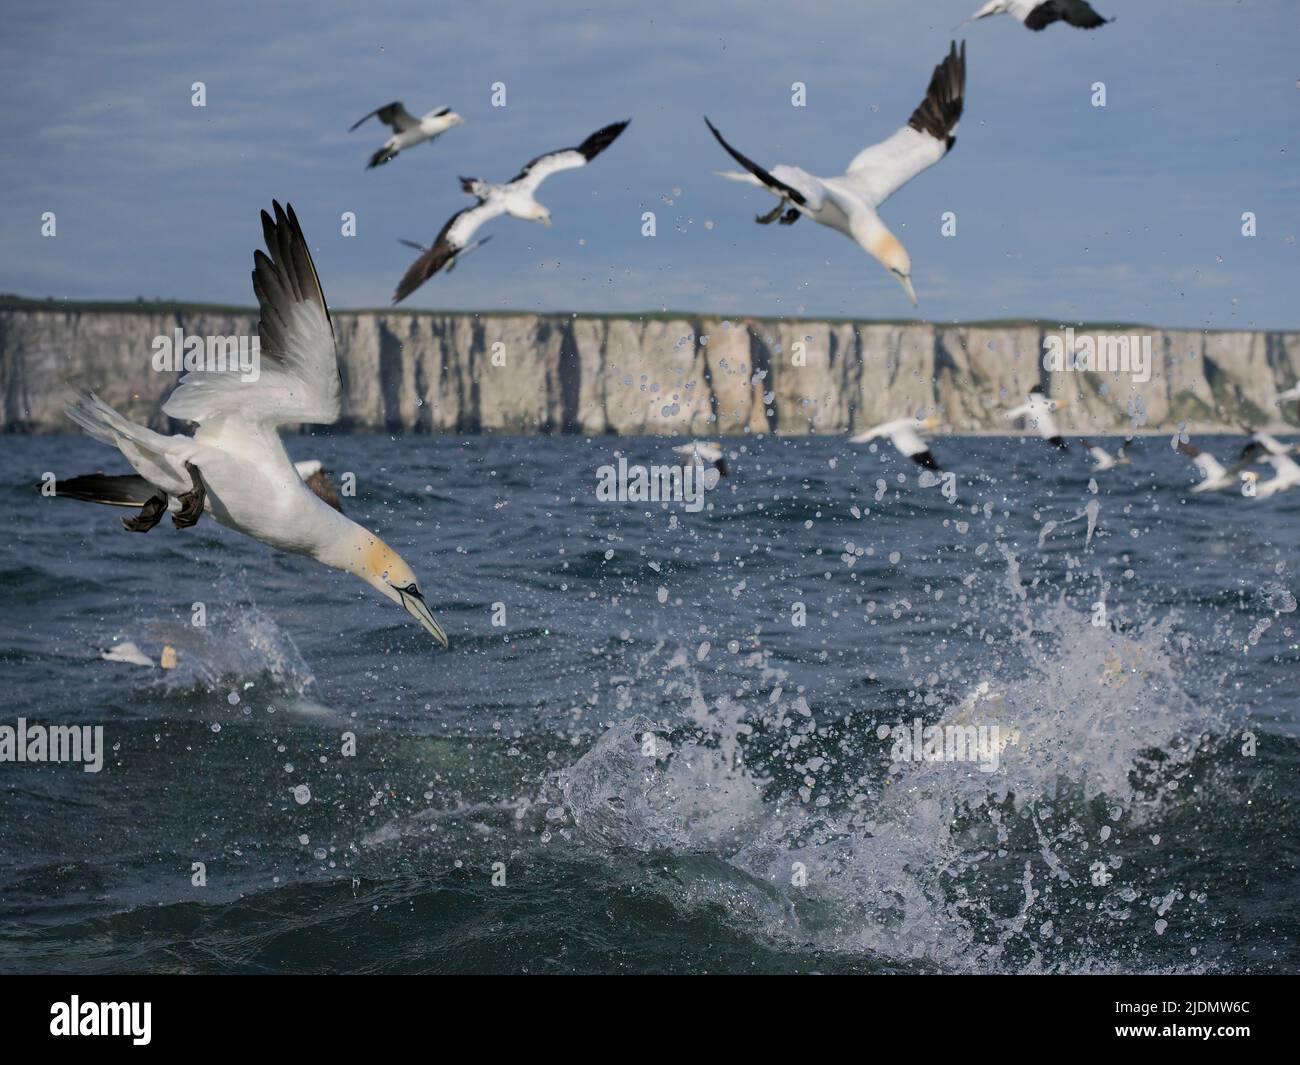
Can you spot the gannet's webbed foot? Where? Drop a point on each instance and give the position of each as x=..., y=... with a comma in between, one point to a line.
x=771, y=216
x=790, y=217
x=150, y=515
x=192, y=501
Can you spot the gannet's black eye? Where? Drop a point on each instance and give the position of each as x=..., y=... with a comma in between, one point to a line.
x=410, y=590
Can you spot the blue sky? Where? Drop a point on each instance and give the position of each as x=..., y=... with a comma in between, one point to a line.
x=1064, y=211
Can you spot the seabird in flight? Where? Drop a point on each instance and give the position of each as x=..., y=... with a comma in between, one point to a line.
x=848, y=203
x=408, y=130
x=1214, y=477
x=1037, y=413
x=905, y=435
x=235, y=467
x=514, y=198
x=1038, y=14
x=1287, y=476
x=1103, y=459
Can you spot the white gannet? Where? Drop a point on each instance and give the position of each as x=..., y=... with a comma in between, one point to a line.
x=848, y=203
x=1291, y=393
x=235, y=467
x=1103, y=459
x=905, y=435
x=1038, y=14
x=1260, y=442
x=514, y=198
x=1214, y=477
x=1287, y=476
x=708, y=453
x=408, y=130
x=1037, y=413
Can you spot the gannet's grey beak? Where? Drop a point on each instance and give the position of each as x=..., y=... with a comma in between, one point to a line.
x=415, y=605
x=906, y=282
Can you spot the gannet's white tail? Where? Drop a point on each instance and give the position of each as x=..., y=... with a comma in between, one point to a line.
x=159, y=459
x=736, y=175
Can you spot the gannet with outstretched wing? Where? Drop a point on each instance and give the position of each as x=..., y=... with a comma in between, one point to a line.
x=1214, y=477
x=1291, y=393
x=848, y=203
x=1039, y=14
x=408, y=131
x=1287, y=476
x=515, y=198
x=1103, y=459
x=905, y=435
x=1037, y=412
x=235, y=467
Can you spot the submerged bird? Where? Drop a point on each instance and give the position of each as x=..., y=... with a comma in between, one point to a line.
x=1103, y=459
x=1037, y=413
x=708, y=453
x=848, y=203
x=408, y=131
x=514, y=198
x=235, y=467
x=905, y=435
x=1038, y=14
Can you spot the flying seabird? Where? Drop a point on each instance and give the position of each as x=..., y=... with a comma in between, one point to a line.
x=408, y=130
x=1037, y=413
x=1287, y=476
x=514, y=198
x=1103, y=459
x=708, y=453
x=1214, y=477
x=848, y=203
x=1291, y=393
x=235, y=467
x=904, y=434
x=1038, y=14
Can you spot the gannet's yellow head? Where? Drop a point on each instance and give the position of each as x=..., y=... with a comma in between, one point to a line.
x=894, y=258
x=384, y=570
x=541, y=214
x=930, y=423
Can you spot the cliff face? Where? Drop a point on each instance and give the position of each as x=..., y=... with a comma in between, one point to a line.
x=699, y=376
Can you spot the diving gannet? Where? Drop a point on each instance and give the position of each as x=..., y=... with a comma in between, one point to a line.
x=235, y=467
x=1038, y=414
x=1214, y=477
x=514, y=198
x=708, y=453
x=1038, y=14
x=1103, y=459
x=1287, y=476
x=904, y=434
x=408, y=131
x=848, y=203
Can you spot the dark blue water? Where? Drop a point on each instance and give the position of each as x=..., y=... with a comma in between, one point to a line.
x=649, y=766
